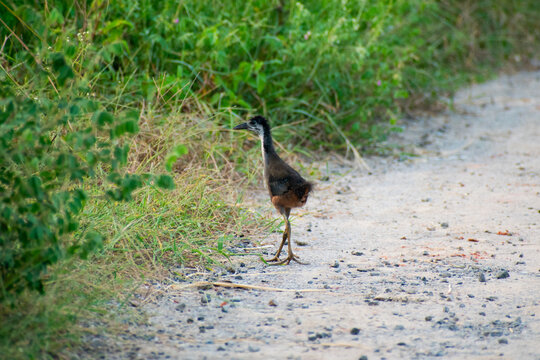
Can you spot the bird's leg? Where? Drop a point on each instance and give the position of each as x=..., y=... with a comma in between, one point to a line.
x=290, y=255
x=285, y=212
x=276, y=257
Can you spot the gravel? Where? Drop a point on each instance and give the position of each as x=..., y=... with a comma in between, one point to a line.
x=406, y=289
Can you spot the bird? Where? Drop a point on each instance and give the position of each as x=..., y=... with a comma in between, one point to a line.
x=286, y=187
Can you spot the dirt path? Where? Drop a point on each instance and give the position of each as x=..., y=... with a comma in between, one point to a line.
x=435, y=255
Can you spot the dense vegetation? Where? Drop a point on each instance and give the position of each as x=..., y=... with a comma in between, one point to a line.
x=77, y=77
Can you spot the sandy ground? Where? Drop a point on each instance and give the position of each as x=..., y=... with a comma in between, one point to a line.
x=434, y=255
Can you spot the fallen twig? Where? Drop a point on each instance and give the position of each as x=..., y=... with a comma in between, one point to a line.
x=241, y=286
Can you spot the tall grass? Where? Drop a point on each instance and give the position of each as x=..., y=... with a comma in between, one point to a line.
x=329, y=74
x=356, y=64
x=154, y=236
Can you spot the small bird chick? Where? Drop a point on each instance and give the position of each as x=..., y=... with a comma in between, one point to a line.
x=286, y=187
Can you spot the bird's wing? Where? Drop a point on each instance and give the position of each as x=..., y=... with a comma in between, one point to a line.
x=282, y=178
x=279, y=186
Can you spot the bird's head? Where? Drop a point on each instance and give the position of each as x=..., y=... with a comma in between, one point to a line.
x=257, y=124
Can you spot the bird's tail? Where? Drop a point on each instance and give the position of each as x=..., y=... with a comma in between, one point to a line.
x=303, y=192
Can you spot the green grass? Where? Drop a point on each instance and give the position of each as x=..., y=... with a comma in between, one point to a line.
x=356, y=63
x=330, y=75
x=152, y=237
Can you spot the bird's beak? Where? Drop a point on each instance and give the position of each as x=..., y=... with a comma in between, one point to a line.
x=243, y=126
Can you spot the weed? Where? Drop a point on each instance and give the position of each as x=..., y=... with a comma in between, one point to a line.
x=334, y=74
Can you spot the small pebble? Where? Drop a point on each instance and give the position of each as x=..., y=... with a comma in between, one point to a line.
x=363, y=357
x=429, y=318
x=503, y=341
x=482, y=277
x=272, y=303
x=355, y=331
x=335, y=265
x=253, y=348
x=503, y=274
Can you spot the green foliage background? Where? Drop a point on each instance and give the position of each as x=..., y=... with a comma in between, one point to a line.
x=356, y=62
x=175, y=76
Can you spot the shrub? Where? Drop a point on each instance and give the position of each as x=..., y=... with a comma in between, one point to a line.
x=49, y=148
x=326, y=64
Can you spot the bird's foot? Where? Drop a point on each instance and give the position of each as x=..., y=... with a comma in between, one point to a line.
x=287, y=260
x=275, y=258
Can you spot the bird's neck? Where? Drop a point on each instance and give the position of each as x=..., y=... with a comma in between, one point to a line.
x=267, y=145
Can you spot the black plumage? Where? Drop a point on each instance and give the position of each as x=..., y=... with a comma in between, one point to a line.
x=286, y=187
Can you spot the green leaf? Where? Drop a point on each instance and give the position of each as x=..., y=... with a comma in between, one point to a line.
x=220, y=243
x=261, y=82
x=121, y=153
x=55, y=18
x=93, y=241
x=74, y=110
x=71, y=51
x=119, y=23
x=61, y=68
x=36, y=186
x=131, y=183
x=401, y=94
x=178, y=151
x=165, y=182
x=129, y=126
x=103, y=117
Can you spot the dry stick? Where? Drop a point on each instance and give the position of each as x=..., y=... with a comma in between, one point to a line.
x=22, y=43
x=455, y=151
x=264, y=273
x=14, y=81
x=30, y=52
x=21, y=20
x=242, y=286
